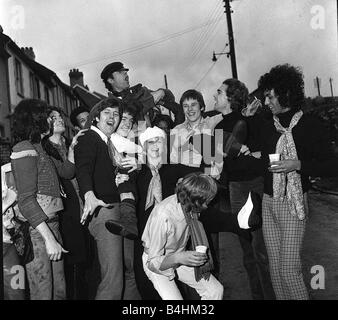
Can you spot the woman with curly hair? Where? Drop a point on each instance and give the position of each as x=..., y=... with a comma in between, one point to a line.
x=39, y=199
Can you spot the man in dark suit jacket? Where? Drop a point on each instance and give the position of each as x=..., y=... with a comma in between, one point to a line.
x=96, y=178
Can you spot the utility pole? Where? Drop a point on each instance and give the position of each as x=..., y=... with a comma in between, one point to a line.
x=317, y=84
x=165, y=81
x=231, y=38
x=331, y=86
x=166, y=86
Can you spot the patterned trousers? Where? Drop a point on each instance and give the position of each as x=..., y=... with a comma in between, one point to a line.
x=283, y=236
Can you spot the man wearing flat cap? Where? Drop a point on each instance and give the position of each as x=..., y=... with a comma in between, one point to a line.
x=116, y=79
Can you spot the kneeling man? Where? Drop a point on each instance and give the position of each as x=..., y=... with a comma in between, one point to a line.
x=169, y=227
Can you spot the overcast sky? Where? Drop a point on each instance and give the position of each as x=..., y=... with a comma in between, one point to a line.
x=177, y=38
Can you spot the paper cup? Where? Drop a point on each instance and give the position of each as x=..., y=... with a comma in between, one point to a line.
x=274, y=157
x=201, y=249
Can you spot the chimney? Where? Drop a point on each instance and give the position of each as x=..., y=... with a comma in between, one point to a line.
x=29, y=52
x=76, y=77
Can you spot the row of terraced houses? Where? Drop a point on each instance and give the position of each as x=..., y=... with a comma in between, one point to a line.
x=21, y=76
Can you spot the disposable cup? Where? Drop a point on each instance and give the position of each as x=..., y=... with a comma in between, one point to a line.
x=274, y=157
x=202, y=249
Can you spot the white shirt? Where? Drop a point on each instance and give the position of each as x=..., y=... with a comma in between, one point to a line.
x=100, y=133
x=165, y=233
x=181, y=134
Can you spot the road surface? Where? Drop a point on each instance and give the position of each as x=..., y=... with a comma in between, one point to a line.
x=320, y=249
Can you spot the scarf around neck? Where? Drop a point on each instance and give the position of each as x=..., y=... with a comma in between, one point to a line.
x=289, y=185
x=154, y=193
x=198, y=237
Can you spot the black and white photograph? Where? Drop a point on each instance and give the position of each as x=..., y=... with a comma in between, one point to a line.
x=167, y=150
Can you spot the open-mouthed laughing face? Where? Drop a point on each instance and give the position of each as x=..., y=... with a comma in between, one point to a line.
x=58, y=122
x=109, y=120
x=126, y=125
x=155, y=149
x=192, y=110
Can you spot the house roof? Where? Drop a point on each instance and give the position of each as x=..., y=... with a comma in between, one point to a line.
x=88, y=98
x=49, y=77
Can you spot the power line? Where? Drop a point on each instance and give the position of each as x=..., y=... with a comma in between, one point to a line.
x=210, y=68
x=205, y=36
x=205, y=31
x=196, y=42
x=138, y=47
x=211, y=35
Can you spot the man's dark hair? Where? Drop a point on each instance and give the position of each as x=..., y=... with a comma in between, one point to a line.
x=75, y=113
x=57, y=109
x=193, y=94
x=108, y=85
x=238, y=93
x=30, y=120
x=195, y=191
x=132, y=107
x=110, y=102
x=288, y=84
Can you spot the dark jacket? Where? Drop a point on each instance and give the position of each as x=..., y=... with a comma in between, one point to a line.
x=94, y=168
x=312, y=145
x=243, y=167
x=143, y=95
x=169, y=174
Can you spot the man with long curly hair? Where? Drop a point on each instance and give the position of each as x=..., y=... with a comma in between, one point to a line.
x=304, y=149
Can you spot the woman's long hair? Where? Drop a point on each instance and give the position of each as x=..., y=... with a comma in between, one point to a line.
x=47, y=145
x=30, y=120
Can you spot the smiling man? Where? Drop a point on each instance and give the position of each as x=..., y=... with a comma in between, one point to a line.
x=193, y=105
x=78, y=117
x=96, y=177
x=304, y=148
x=244, y=174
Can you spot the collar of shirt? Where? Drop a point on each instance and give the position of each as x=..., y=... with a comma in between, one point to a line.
x=200, y=125
x=178, y=214
x=100, y=133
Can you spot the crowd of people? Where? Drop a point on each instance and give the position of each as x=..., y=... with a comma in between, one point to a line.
x=141, y=197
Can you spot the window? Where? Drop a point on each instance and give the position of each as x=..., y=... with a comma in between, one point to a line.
x=18, y=77
x=61, y=99
x=37, y=88
x=56, y=96
x=34, y=86
x=2, y=131
x=47, y=95
x=31, y=84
